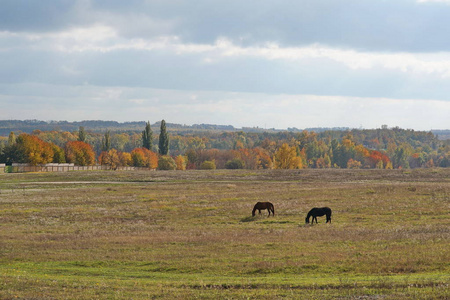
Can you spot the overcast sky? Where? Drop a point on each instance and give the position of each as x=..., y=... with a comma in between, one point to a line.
x=265, y=63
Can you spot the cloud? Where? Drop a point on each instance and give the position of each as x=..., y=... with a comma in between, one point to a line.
x=103, y=39
x=366, y=25
x=215, y=59
x=238, y=109
x=98, y=55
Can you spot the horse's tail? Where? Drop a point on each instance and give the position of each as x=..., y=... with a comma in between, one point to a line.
x=273, y=209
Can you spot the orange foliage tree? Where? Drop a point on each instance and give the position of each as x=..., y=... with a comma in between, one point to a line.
x=264, y=161
x=142, y=157
x=80, y=153
x=378, y=160
x=110, y=158
x=33, y=150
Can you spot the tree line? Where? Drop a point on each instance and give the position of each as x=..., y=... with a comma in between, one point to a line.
x=380, y=148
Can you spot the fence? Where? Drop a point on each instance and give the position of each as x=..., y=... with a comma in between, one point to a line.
x=22, y=168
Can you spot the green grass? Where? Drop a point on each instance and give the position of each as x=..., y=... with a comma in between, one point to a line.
x=190, y=235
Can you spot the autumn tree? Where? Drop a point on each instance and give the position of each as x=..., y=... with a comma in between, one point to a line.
x=264, y=161
x=361, y=153
x=142, y=157
x=163, y=139
x=286, y=158
x=30, y=149
x=353, y=164
x=323, y=162
x=180, y=162
x=125, y=159
x=79, y=153
x=110, y=158
x=147, y=137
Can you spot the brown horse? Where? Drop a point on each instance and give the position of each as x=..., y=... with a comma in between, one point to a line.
x=263, y=205
x=318, y=212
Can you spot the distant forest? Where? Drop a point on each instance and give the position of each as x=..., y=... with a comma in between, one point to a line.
x=219, y=146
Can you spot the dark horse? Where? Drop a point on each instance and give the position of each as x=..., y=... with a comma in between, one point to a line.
x=318, y=212
x=263, y=205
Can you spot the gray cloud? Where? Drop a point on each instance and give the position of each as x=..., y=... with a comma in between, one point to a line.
x=402, y=25
x=57, y=54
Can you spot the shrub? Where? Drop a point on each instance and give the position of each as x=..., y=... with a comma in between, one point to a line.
x=208, y=165
x=236, y=163
x=166, y=163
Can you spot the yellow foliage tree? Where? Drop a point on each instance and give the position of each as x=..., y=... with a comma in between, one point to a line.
x=125, y=159
x=286, y=158
x=180, y=161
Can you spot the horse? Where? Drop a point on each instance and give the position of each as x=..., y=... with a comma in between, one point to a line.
x=263, y=205
x=318, y=212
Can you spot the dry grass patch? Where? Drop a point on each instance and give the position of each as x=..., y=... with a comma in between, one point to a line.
x=191, y=235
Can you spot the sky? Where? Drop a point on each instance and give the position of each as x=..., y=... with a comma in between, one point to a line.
x=266, y=63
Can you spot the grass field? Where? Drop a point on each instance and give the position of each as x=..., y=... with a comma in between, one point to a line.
x=190, y=235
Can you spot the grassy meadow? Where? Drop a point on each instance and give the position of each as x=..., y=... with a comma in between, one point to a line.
x=190, y=235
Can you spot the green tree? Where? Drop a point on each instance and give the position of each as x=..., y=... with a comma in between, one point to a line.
x=9, y=153
x=106, y=142
x=81, y=134
x=58, y=154
x=147, y=137
x=163, y=139
x=400, y=157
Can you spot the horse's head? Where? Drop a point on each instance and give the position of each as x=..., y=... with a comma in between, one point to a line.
x=253, y=213
x=307, y=220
